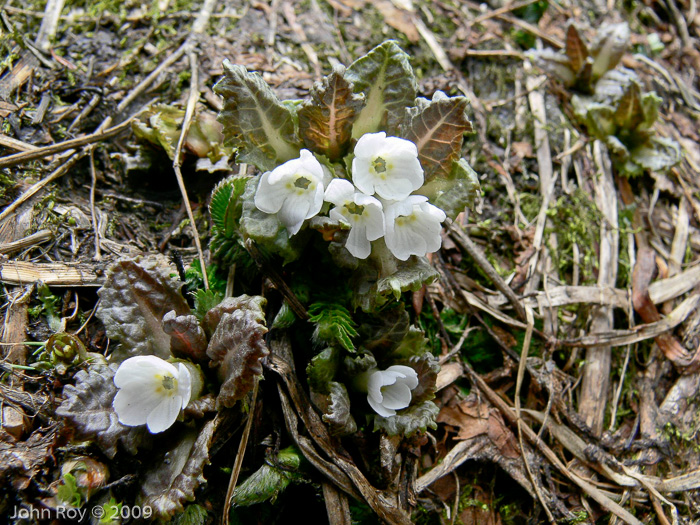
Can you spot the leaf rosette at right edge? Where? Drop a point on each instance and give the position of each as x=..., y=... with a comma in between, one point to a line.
x=304, y=147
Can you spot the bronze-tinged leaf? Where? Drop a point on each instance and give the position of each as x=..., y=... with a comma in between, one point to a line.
x=237, y=348
x=88, y=406
x=325, y=121
x=230, y=305
x=437, y=129
x=576, y=49
x=629, y=112
x=256, y=123
x=178, y=473
x=187, y=338
x=133, y=301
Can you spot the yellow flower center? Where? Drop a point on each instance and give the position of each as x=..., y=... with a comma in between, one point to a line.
x=354, y=209
x=166, y=385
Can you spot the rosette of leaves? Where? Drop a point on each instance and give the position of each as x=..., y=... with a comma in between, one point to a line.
x=375, y=93
x=626, y=127
x=580, y=66
x=383, y=342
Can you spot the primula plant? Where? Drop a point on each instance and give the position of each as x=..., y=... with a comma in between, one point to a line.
x=345, y=203
x=608, y=101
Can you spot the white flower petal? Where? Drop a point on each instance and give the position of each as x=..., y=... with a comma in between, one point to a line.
x=133, y=407
x=164, y=415
x=379, y=408
x=141, y=368
x=339, y=191
x=293, y=212
x=269, y=197
x=410, y=377
x=370, y=144
x=357, y=243
x=184, y=384
x=396, y=396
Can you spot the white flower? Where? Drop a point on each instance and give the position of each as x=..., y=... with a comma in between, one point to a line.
x=413, y=227
x=151, y=392
x=362, y=212
x=390, y=390
x=294, y=190
x=387, y=166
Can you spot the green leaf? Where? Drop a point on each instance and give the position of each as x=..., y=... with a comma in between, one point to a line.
x=237, y=348
x=416, y=418
x=88, y=407
x=321, y=370
x=659, y=154
x=68, y=491
x=177, y=472
x=650, y=105
x=462, y=190
x=337, y=413
x=192, y=515
x=133, y=301
x=372, y=293
x=256, y=123
x=576, y=49
x=608, y=47
x=269, y=480
x=325, y=121
x=629, y=112
x=437, y=129
x=334, y=324
x=226, y=205
x=385, y=77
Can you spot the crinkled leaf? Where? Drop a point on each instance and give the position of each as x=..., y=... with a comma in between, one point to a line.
x=385, y=77
x=437, y=129
x=659, y=154
x=462, y=190
x=610, y=43
x=325, y=121
x=427, y=367
x=177, y=475
x=554, y=63
x=334, y=324
x=337, y=413
x=357, y=364
x=237, y=348
x=413, y=344
x=411, y=275
x=266, y=230
x=416, y=418
x=187, y=338
x=599, y=119
x=629, y=112
x=576, y=50
x=133, y=302
x=88, y=406
x=321, y=370
x=650, y=107
x=256, y=123
x=255, y=303
x=269, y=480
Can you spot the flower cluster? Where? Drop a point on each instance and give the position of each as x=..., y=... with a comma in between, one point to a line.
x=379, y=202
